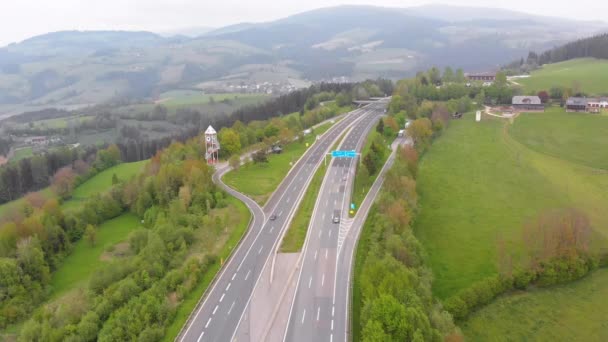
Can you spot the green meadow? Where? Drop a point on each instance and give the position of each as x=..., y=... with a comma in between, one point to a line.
x=590, y=73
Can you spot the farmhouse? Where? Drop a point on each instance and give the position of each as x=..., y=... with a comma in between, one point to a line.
x=527, y=103
x=583, y=104
x=595, y=105
x=486, y=77
x=576, y=104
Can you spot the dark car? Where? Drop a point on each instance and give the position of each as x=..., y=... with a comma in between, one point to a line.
x=273, y=217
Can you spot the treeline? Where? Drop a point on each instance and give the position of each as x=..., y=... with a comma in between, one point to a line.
x=557, y=250
x=296, y=101
x=37, y=172
x=416, y=97
x=596, y=47
x=395, y=285
x=135, y=296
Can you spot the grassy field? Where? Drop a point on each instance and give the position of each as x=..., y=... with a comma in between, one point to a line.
x=103, y=181
x=576, y=137
x=590, y=73
x=571, y=312
x=85, y=259
x=181, y=98
x=473, y=190
x=22, y=153
x=241, y=222
x=260, y=180
x=480, y=182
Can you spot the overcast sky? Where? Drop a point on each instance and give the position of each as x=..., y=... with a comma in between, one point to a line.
x=21, y=19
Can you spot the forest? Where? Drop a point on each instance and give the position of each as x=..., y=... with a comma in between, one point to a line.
x=595, y=47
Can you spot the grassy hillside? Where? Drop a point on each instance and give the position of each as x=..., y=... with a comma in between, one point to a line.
x=473, y=190
x=103, y=181
x=590, y=73
x=571, y=312
x=85, y=259
x=480, y=182
x=576, y=137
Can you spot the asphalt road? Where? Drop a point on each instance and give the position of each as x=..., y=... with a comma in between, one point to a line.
x=220, y=313
x=317, y=313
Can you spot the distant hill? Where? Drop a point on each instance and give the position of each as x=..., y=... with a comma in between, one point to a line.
x=76, y=68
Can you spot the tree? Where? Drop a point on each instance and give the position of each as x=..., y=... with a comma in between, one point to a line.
x=90, y=234
x=260, y=156
x=230, y=141
x=434, y=76
x=448, y=75
x=544, y=96
x=380, y=127
x=234, y=162
x=63, y=182
x=114, y=179
x=420, y=131
x=501, y=79
x=459, y=78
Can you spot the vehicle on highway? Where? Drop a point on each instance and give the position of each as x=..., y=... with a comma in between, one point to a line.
x=273, y=217
x=336, y=218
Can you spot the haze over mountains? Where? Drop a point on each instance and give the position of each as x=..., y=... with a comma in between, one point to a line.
x=357, y=42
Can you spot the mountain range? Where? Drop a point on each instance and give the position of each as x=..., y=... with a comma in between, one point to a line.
x=74, y=68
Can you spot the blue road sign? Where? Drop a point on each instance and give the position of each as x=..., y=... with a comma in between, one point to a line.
x=344, y=154
x=352, y=206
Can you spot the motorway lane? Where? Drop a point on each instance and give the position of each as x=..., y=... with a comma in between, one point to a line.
x=218, y=317
x=315, y=315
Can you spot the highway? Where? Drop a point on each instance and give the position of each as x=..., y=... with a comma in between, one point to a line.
x=220, y=312
x=317, y=313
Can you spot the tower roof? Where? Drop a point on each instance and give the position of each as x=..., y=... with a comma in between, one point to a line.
x=210, y=130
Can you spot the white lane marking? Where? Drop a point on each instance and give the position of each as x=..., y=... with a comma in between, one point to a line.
x=326, y=254
x=323, y=279
x=320, y=232
x=331, y=337
x=323, y=217
x=303, y=316
x=332, y=324
x=209, y=321
x=280, y=213
x=288, y=199
x=247, y=275
x=333, y=308
x=234, y=275
x=228, y=287
x=199, y=339
x=260, y=251
x=316, y=254
x=271, y=229
x=335, y=202
x=318, y=312
x=330, y=233
x=231, y=306
x=214, y=310
x=326, y=202
x=310, y=282
x=222, y=297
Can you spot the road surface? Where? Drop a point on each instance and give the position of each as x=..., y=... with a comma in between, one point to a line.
x=317, y=314
x=218, y=316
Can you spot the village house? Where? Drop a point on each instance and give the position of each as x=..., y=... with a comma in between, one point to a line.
x=583, y=104
x=527, y=103
x=595, y=105
x=485, y=77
